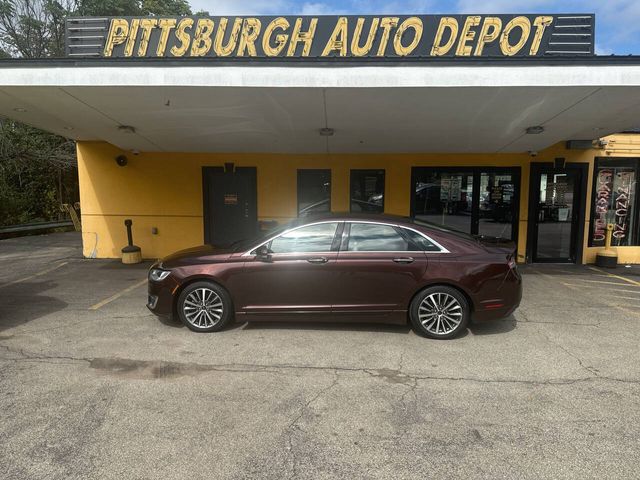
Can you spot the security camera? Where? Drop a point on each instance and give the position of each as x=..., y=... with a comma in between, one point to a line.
x=121, y=160
x=533, y=153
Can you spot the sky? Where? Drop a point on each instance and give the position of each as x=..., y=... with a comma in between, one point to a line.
x=617, y=21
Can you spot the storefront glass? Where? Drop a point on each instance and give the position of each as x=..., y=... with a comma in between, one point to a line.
x=555, y=216
x=446, y=199
x=367, y=191
x=614, y=202
x=481, y=201
x=314, y=191
x=497, y=202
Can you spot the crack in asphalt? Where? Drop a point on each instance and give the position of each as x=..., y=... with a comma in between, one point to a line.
x=524, y=315
x=594, y=371
x=293, y=426
x=163, y=369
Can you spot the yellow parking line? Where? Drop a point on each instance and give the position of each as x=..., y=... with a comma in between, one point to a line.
x=633, y=282
x=607, y=290
x=117, y=295
x=35, y=275
x=606, y=283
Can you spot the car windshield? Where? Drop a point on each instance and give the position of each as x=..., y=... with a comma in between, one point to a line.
x=248, y=243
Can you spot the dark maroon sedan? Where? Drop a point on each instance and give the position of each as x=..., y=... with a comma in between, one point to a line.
x=343, y=268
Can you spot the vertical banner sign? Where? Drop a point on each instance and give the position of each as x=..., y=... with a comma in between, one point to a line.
x=604, y=187
x=332, y=37
x=614, y=202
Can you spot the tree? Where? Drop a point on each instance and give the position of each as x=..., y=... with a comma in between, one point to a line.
x=38, y=170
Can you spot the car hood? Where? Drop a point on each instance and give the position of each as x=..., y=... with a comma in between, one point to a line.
x=196, y=255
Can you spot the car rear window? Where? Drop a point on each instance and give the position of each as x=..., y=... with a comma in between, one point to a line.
x=422, y=242
x=371, y=237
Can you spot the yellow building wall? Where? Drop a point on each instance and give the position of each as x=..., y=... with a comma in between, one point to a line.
x=164, y=190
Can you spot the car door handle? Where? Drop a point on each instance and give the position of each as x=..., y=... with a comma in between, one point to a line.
x=318, y=260
x=404, y=260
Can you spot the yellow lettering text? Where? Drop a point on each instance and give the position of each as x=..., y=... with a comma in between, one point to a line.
x=356, y=49
x=117, y=35
x=250, y=32
x=147, y=25
x=299, y=36
x=220, y=48
x=489, y=33
x=281, y=39
x=416, y=24
x=387, y=23
x=446, y=23
x=202, y=37
x=338, y=40
x=541, y=23
x=524, y=25
x=467, y=35
x=166, y=25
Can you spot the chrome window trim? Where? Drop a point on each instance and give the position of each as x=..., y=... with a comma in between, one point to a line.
x=442, y=249
x=248, y=252
x=426, y=237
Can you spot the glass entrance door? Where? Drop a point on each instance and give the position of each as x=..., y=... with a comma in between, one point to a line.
x=556, y=215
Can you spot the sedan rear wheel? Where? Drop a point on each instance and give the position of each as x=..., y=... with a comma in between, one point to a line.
x=440, y=312
x=204, y=307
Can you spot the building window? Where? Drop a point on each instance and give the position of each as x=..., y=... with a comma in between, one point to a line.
x=476, y=200
x=614, y=201
x=314, y=192
x=367, y=191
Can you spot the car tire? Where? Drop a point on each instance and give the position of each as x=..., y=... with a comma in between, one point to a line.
x=439, y=312
x=205, y=307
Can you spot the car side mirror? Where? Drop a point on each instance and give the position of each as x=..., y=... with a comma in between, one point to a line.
x=263, y=252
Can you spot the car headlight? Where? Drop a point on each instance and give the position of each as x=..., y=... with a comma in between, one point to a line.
x=157, y=274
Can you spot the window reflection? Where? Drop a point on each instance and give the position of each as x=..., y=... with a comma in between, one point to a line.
x=314, y=238
x=496, y=214
x=367, y=191
x=314, y=191
x=367, y=237
x=445, y=198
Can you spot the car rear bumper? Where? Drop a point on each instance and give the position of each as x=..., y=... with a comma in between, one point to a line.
x=509, y=301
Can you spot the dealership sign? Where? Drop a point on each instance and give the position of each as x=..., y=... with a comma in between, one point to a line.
x=332, y=37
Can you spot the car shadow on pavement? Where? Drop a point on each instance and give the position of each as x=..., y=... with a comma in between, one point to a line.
x=494, y=327
x=324, y=326
x=23, y=302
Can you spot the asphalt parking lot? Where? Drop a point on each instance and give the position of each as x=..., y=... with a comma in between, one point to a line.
x=93, y=386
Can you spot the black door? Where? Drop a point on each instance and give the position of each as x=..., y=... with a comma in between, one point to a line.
x=230, y=204
x=556, y=218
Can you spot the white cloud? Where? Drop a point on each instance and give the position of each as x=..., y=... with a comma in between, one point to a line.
x=241, y=7
x=317, y=8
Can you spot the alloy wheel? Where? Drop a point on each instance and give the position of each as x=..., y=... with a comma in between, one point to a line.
x=203, y=308
x=440, y=313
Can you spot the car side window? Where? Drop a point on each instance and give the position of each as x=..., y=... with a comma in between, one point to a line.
x=313, y=238
x=423, y=243
x=371, y=237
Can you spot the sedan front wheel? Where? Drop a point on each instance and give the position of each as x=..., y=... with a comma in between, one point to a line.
x=204, y=307
x=439, y=312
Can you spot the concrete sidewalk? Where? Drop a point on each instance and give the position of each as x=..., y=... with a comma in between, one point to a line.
x=93, y=386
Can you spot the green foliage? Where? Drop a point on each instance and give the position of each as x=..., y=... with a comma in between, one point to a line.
x=166, y=7
x=132, y=7
x=38, y=170
x=37, y=173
